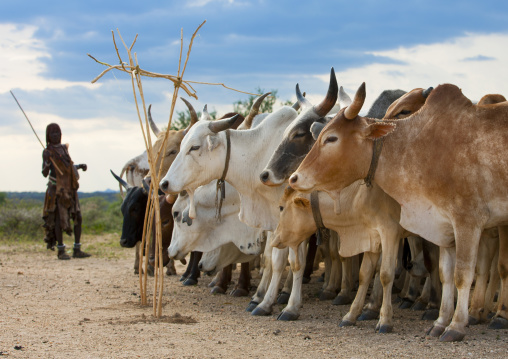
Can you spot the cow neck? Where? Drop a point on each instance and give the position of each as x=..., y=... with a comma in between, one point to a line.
x=377, y=146
x=322, y=232
x=221, y=183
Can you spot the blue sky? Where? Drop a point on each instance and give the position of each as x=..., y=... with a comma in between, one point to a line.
x=244, y=44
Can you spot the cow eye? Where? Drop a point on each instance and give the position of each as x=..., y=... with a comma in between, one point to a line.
x=172, y=153
x=175, y=214
x=404, y=112
x=331, y=139
x=299, y=135
x=194, y=148
x=281, y=208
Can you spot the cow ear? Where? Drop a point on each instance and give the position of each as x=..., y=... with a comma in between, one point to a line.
x=213, y=142
x=301, y=202
x=379, y=129
x=316, y=129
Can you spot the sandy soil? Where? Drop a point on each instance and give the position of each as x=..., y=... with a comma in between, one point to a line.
x=90, y=308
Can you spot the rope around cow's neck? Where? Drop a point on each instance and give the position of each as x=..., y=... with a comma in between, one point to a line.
x=221, y=183
x=377, y=146
x=322, y=233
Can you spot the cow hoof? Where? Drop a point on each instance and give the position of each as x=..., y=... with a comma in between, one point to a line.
x=259, y=312
x=320, y=279
x=217, y=290
x=491, y=315
x=252, y=305
x=240, y=292
x=430, y=314
x=212, y=284
x=341, y=300
x=327, y=295
x=170, y=272
x=473, y=321
x=436, y=331
x=384, y=329
x=406, y=304
x=498, y=323
x=288, y=316
x=283, y=298
x=346, y=323
x=419, y=306
x=182, y=278
x=136, y=271
x=452, y=336
x=368, y=314
x=190, y=281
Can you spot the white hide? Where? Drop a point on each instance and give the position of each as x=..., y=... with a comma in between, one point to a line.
x=206, y=233
x=202, y=159
x=216, y=260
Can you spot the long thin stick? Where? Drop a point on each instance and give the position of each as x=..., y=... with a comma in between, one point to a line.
x=35, y=133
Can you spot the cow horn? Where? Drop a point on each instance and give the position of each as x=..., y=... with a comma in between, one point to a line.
x=153, y=126
x=146, y=187
x=331, y=97
x=344, y=99
x=221, y=125
x=296, y=105
x=120, y=180
x=302, y=101
x=193, y=115
x=254, y=110
x=426, y=93
x=205, y=116
x=354, y=109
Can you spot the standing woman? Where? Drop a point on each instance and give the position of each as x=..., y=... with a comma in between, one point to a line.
x=61, y=203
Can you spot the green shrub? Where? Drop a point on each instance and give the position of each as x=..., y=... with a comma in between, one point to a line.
x=22, y=219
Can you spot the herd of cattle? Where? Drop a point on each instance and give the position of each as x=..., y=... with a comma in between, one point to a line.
x=410, y=198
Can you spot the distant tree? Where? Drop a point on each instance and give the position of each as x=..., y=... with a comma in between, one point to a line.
x=3, y=197
x=243, y=107
x=182, y=118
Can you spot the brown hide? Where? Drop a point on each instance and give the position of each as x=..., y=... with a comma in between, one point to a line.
x=447, y=165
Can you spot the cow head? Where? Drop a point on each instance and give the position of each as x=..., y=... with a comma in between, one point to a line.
x=342, y=152
x=133, y=210
x=408, y=104
x=297, y=140
x=172, y=143
x=296, y=222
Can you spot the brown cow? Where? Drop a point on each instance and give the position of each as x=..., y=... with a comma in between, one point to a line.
x=445, y=165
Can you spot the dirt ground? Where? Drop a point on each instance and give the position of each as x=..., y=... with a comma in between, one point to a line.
x=90, y=308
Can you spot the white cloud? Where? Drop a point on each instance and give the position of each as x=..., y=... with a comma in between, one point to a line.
x=20, y=63
x=475, y=62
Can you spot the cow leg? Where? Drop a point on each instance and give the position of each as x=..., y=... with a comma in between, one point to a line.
x=493, y=286
x=466, y=244
x=367, y=269
x=482, y=272
x=371, y=309
x=330, y=291
x=500, y=320
x=136, y=260
x=345, y=295
x=243, y=285
x=411, y=291
x=279, y=261
x=386, y=275
x=309, y=260
x=265, y=278
x=431, y=260
x=290, y=312
x=422, y=300
x=170, y=268
x=324, y=249
x=446, y=265
x=189, y=267
x=285, y=293
x=221, y=286
x=400, y=272
x=194, y=274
